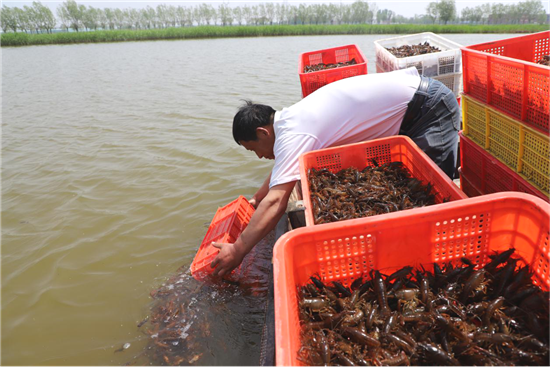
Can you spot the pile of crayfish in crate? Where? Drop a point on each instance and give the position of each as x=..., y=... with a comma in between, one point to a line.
x=414, y=50
x=453, y=315
x=377, y=189
x=322, y=66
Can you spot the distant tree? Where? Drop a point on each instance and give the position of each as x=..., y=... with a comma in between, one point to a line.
x=334, y=13
x=210, y=14
x=72, y=13
x=281, y=10
x=255, y=14
x=292, y=14
x=102, y=19
x=385, y=16
x=359, y=12
x=270, y=13
x=90, y=18
x=432, y=11
x=181, y=15
x=302, y=13
x=346, y=14
x=22, y=19
x=32, y=19
x=532, y=10
x=485, y=11
x=110, y=17
x=400, y=19
x=247, y=15
x=262, y=14
x=238, y=15
x=446, y=10
x=7, y=18
x=43, y=17
x=471, y=15
x=373, y=9
x=119, y=20
x=225, y=14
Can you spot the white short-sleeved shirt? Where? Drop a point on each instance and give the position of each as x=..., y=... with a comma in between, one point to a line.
x=351, y=110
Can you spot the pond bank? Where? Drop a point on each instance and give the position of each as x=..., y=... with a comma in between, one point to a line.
x=24, y=39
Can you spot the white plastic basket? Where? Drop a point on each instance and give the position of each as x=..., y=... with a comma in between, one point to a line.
x=447, y=61
x=451, y=81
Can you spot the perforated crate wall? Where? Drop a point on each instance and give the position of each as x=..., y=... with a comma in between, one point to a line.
x=524, y=150
x=481, y=173
x=503, y=74
x=473, y=228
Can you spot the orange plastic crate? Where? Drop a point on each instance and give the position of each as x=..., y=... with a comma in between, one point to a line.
x=503, y=74
x=227, y=225
x=481, y=173
x=316, y=79
x=392, y=149
x=344, y=251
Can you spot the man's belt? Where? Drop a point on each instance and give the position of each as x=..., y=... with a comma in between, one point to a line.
x=415, y=105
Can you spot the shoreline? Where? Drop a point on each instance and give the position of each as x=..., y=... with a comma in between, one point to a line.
x=206, y=32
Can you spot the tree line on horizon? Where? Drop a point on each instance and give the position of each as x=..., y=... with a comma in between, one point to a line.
x=39, y=18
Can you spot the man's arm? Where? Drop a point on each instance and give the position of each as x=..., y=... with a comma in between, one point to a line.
x=270, y=210
x=261, y=193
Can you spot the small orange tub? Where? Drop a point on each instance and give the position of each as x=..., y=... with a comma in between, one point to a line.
x=228, y=224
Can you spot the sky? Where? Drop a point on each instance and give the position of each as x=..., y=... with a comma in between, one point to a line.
x=407, y=8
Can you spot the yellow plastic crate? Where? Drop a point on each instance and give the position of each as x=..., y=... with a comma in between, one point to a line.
x=520, y=147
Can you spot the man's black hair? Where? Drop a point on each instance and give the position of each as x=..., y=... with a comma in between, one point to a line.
x=250, y=116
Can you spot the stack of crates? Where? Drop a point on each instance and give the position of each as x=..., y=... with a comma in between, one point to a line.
x=506, y=115
x=444, y=66
x=314, y=80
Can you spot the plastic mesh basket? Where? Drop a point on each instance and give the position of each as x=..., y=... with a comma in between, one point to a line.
x=226, y=226
x=481, y=173
x=504, y=75
x=343, y=251
x=521, y=148
x=316, y=79
x=447, y=61
x=393, y=149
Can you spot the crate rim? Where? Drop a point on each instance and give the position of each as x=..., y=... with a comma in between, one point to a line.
x=506, y=59
x=403, y=139
x=301, y=65
x=419, y=34
x=282, y=301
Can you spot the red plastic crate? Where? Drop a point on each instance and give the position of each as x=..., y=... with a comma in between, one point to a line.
x=227, y=225
x=316, y=79
x=481, y=173
x=343, y=251
x=503, y=74
x=392, y=149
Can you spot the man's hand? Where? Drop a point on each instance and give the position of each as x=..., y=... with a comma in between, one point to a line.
x=254, y=203
x=228, y=258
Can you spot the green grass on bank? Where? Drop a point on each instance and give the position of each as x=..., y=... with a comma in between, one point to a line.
x=24, y=39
